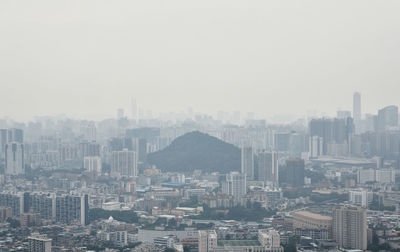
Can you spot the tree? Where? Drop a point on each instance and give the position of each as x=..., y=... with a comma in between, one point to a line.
x=13, y=222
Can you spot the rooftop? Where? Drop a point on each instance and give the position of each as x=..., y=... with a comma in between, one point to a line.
x=312, y=215
x=241, y=243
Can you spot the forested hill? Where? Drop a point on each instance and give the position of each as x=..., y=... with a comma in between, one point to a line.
x=197, y=151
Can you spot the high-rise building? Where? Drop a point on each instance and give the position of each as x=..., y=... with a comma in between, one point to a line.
x=357, y=106
x=269, y=239
x=39, y=243
x=387, y=117
x=89, y=149
x=120, y=113
x=92, y=164
x=332, y=131
x=343, y=114
x=296, y=144
x=349, y=227
x=3, y=142
x=360, y=197
x=14, y=159
x=15, y=135
x=235, y=185
x=315, y=146
x=207, y=240
x=90, y=132
x=72, y=208
x=124, y=163
x=248, y=162
x=142, y=152
x=294, y=172
x=268, y=168
x=134, y=110
x=282, y=141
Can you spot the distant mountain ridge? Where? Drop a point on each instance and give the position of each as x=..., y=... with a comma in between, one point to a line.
x=197, y=151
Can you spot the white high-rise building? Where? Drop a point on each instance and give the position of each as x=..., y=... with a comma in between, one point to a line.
x=92, y=163
x=316, y=144
x=349, y=227
x=14, y=159
x=385, y=176
x=39, y=243
x=269, y=239
x=268, y=168
x=247, y=159
x=124, y=163
x=360, y=197
x=235, y=185
x=207, y=240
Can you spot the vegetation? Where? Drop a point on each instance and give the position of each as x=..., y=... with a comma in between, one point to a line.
x=253, y=213
x=111, y=245
x=13, y=222
x=378, y=205
x=299, y=192
x=197, y=151
x=375, y=246
x=292, y=245
x=315, y=176
x=128, y=216
x=334, y=197
x=193, y=202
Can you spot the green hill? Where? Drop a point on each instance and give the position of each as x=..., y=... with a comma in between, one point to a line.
x=197, y=151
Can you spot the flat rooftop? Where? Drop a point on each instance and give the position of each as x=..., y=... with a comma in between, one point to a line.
x=345, y=161
x=238, y=243
x=312, y=215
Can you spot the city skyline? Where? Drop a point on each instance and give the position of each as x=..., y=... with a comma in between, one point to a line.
x=253, y=57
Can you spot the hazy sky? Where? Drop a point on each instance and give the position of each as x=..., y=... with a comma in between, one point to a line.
x=271, y=57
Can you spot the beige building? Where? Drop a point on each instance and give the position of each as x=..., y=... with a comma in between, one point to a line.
x=349, y=227
x=308, y=220
x=207, y=240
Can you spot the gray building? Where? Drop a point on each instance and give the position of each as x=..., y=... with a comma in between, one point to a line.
x=14, y=159
x=349, y=227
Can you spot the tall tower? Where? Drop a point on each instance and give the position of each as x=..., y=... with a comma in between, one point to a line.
x=349, y=227
x=268, y=168
x=235, y=185
x=14, y=159
x=357, y=106
x=248, y=162
x=134, y=110
x=124, y=163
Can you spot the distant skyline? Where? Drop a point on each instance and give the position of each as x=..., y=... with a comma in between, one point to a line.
x=86, y=59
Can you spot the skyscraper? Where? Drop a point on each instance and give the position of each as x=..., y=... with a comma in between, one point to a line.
x=120, y=113
x=134, y=110
x=92, y=164
x=124, y=163
x=235, y=185
x=349, y=227
x=71, y=208
x=3, y=142
x=294, y=172
x=14, y=158
x=15, y=135
x=268, y=167
x=357, y=106
x=248, y=162
x=388, y=117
